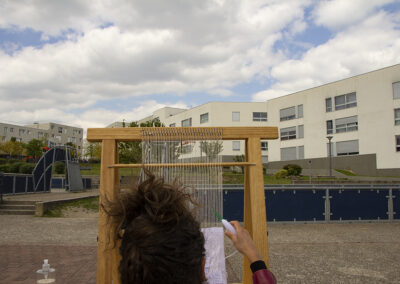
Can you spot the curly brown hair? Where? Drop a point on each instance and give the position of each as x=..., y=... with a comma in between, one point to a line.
x=161, y=240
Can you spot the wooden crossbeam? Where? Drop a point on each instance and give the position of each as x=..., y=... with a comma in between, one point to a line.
x=135, y=133
x=170, y=165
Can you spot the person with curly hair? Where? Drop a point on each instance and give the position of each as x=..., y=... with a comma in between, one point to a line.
x=161, y=241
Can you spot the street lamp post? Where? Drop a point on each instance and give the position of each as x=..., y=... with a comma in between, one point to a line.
x=309, y=163
x=330, y=155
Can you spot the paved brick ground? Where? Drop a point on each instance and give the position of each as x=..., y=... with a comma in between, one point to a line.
x=74, y=264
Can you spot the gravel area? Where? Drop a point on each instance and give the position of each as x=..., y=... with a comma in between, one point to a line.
x=299, y=253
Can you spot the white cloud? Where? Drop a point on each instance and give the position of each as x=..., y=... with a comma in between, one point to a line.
x=145, y=48
x=97, y=117
x=340, y=13
x=372, y=44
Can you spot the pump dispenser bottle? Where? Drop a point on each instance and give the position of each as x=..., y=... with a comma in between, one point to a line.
x=46, y=274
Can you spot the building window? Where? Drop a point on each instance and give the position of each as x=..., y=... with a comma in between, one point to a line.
x=260, y=116
x=345, y=148
x=345, y=101
x=186, y=122
x=5, y=130
x=288, y=113
x=397, y=143
x=236, y=145
x=328, y=104
x=292, y=153
x=21, y=132
x=397, y=116
x=264, y=160
x=58, y=137
x=29, y=132
x=172, y=125
x=346, y=124
x=300, y=131
x=204, y=117
x=396, y=90
x=11, y=129
x=235, y=116
x=264, y=145
x=299, y=111
x=329, y=127
x=60, y=130
x=288, y=133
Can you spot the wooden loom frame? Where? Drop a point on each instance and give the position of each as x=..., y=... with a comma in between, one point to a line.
x=254, y=198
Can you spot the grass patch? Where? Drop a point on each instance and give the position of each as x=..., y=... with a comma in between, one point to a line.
x=346, y=172
x=234, y=178
x=95, y=170
x=91, y=204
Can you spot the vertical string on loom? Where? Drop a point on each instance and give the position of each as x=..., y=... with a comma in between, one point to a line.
x=189, y=145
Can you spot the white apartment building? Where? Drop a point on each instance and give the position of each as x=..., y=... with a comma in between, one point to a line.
x=56, y=134
x=360, y=113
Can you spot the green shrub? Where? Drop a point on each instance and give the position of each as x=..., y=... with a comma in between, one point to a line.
x=293, y=169
x=5, y=168
x=281, y=174
x=14, y=168
x=26, y=168
x=12, y=161
x=3, y=161
x=59, y=168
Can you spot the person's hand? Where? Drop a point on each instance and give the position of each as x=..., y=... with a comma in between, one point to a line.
x=243, y=242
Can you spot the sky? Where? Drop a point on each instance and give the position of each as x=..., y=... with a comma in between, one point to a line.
x=89, y=63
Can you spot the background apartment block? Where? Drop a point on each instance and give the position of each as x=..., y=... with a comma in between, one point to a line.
x=56, y=134
x=361, y=113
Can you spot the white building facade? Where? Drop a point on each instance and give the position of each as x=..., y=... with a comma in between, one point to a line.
x=360, y=113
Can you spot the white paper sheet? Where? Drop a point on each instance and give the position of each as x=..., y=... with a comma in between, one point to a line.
x=215, y=269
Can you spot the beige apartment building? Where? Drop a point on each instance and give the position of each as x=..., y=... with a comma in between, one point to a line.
x=360, y=113
x=56, y=134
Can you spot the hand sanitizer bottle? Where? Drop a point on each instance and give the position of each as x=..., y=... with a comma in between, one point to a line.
x=46, y=274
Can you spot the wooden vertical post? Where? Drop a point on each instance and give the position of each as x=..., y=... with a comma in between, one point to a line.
x=109, y=181
x=255, y=220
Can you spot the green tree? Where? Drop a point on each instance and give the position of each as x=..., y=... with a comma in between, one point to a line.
x=211, y=149
x=238, y=159
x=131, y=152
x=93, y=151
x=13, y=148
x=34, y=148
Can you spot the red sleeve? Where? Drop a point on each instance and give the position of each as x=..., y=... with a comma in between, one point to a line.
x=263, y=276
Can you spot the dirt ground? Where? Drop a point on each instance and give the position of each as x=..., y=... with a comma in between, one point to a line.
x=299, y=253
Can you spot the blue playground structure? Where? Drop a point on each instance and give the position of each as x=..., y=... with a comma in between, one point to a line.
x=43, y=171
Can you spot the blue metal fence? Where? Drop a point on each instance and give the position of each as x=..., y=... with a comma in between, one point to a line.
x=19, y=184
x=320, y=202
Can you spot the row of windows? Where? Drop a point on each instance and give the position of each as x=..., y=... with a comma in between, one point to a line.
x=293, y=132
x=28, y=132
x=291, y=113
x=341, y=125
x=236, y=145
x=257, y=116
x=342, y=148
x=341, y=102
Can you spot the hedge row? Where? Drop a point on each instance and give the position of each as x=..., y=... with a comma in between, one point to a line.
x=18, y=167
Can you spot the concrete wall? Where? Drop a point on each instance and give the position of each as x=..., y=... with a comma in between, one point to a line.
x=359, y=164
